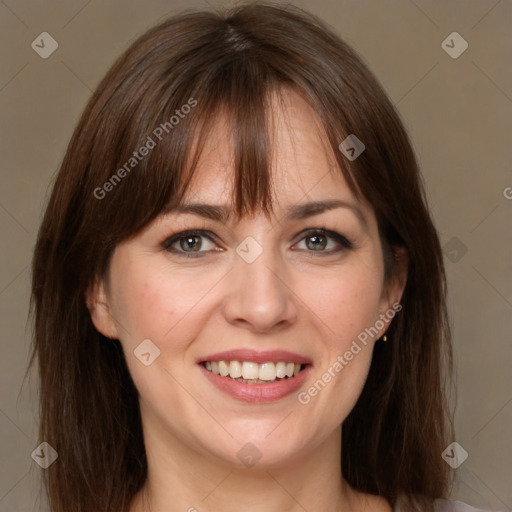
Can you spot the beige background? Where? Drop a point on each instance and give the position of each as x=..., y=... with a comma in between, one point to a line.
x=458, y=112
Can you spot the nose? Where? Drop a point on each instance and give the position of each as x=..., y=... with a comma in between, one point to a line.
x=258, y=297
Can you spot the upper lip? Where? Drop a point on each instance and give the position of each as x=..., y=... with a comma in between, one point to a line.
x=257, y=356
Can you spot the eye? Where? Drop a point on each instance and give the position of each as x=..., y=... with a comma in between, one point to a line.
x=324, y=241
x=195, y=243
x=189, y=243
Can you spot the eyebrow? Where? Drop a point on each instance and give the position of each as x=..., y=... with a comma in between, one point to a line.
x=222, y=213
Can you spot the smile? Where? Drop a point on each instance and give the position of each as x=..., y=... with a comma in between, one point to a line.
x=256, y=376
x=250, y=372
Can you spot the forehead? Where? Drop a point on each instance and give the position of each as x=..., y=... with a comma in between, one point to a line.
x=303, y=166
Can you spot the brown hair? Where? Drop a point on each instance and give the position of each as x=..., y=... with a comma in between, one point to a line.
x=394, y=436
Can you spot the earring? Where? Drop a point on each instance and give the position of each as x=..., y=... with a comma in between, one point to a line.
x=384, y=338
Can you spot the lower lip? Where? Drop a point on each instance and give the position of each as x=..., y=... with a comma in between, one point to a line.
x=260, y=393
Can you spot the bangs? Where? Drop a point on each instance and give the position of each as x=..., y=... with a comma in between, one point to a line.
x=158, y=106
x=242, y=117
x=176, y=137
x=174, y=125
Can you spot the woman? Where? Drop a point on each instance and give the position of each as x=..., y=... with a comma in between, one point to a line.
x=238, y=291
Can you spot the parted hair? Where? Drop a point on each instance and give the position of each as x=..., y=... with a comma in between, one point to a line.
x=231, y=61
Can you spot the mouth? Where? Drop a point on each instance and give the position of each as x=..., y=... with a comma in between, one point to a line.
x=252, y=376
x=249, y=372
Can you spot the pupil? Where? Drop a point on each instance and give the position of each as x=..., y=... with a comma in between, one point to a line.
x=319, y=242
x=191, y=242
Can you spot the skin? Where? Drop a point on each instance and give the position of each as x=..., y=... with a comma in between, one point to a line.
x=291, y=297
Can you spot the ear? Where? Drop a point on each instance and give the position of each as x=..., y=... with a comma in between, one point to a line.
x=100, y=311
x=392, y=293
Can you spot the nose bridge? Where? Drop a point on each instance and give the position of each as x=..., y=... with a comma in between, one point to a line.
x=258, y=296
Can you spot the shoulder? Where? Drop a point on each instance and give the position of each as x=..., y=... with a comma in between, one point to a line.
x=446, y=505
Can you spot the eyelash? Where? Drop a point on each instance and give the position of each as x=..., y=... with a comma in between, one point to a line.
x=343, y=242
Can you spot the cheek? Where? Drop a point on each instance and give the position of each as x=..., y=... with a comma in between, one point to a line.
x=157, y=306
x=145, y=306
x=347, y=300
x=152, y=302
x=346, y=304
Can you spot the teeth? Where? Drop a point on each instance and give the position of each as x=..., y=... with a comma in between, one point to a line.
x=254, y=373
x=267, y=371
x=223, y=368
x=235, y=369
x=250, y=370
x=281, y=370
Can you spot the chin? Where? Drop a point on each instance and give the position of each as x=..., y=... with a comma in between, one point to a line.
x=260, y=445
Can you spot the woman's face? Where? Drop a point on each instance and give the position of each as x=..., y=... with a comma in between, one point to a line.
x=263, y=290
